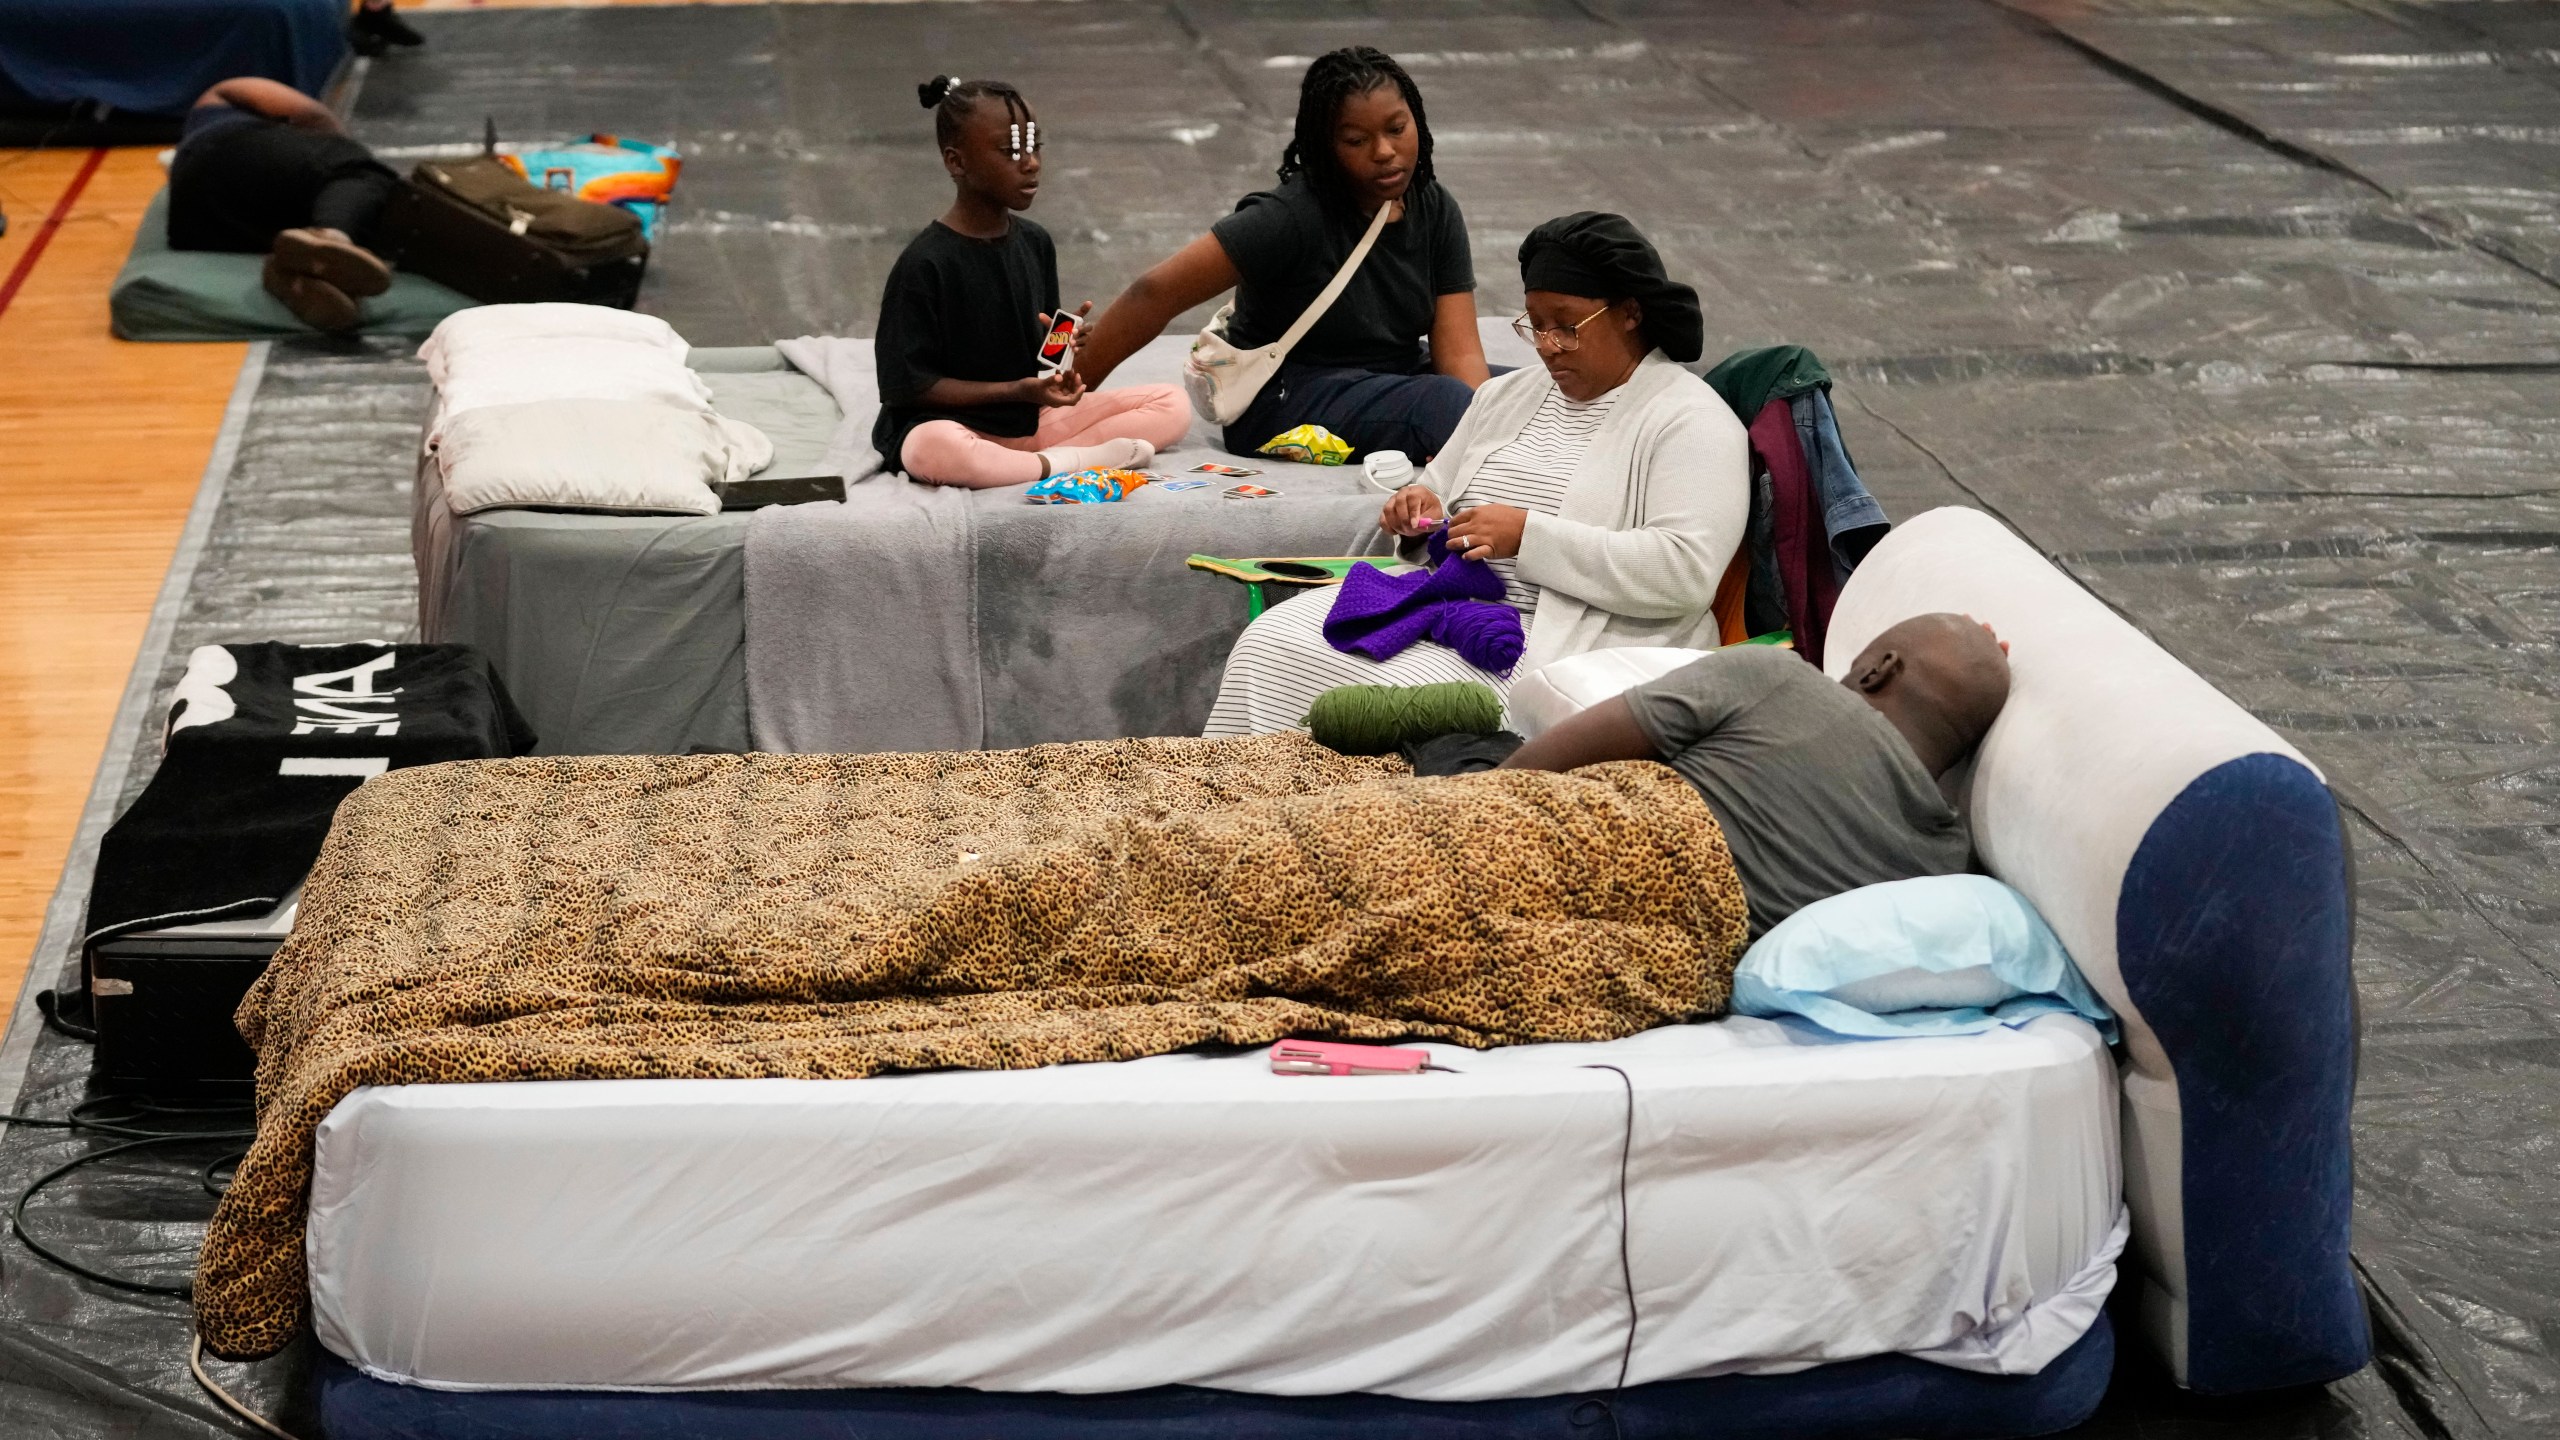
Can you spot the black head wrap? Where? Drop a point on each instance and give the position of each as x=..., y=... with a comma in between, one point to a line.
x=1602, y=256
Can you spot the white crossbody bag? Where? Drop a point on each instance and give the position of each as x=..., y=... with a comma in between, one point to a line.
x=1223, y=379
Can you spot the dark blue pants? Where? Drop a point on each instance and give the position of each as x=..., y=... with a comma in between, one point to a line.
x=1411, y=413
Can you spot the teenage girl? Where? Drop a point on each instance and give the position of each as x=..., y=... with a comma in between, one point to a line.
x=962, y=318
x=1395, y=361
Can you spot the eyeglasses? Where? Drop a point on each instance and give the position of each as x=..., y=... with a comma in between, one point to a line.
x=1566, y=340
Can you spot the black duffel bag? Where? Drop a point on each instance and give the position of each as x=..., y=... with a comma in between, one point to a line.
x=479, y=227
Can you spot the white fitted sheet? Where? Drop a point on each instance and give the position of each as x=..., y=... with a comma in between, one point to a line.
x=1197, y=1220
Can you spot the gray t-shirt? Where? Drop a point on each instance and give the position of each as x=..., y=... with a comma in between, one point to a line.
x=1817, y=792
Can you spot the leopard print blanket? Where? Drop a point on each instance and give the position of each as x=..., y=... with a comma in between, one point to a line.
x=627, y=917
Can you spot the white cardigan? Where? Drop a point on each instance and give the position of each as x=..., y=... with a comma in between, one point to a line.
x=1649, y=520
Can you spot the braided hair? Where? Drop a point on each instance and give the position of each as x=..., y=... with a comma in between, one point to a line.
x=951, y=98
x=1331, y=80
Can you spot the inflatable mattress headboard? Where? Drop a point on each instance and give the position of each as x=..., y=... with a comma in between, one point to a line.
x=2194, y=864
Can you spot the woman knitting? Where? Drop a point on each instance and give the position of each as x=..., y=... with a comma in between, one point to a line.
x=1604, y=492
x=964, y=313
x=1395, y=360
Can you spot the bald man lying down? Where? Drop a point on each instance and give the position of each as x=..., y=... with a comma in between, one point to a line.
x=1821, y=787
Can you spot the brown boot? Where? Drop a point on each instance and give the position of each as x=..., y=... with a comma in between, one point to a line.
x=314, y=301
x=327, y=255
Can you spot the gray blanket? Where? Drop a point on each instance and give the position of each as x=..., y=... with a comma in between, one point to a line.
x=922, y=617
x=1046, y=623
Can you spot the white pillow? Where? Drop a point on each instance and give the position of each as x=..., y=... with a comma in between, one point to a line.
x=491, y=327
x=609, y=455
x=1564, y=688
x=533, y=370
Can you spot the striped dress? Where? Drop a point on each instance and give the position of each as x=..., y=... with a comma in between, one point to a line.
x=1282, y=662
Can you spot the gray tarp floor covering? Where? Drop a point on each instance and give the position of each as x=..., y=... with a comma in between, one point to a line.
x=2247, y=313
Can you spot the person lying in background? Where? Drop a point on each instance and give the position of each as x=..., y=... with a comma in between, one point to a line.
x=262, y=168
x=1608, y=488
x=964, y=314
x=1821, y=787
x=1395, y=361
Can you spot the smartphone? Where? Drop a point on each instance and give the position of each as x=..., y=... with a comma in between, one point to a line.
x=1250, y=492
x=782, y=490
x=1329, y=1057
x=1061, y=343
x=1232, y=472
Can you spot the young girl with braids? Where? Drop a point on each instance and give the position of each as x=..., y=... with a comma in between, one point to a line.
x=1396, y=361
x=964, y=313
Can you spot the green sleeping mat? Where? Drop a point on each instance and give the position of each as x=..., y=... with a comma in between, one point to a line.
x=165, y=294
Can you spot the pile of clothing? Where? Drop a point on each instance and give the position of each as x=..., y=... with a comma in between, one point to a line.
x=578, y=407
x=1812, y=519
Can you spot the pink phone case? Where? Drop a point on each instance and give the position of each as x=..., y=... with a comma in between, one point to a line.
x=1328, y=1057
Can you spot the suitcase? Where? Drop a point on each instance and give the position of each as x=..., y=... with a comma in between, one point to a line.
x=480, y=228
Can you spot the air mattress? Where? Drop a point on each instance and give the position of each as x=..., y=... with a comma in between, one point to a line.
x=623, y=634
x=1791, y=1200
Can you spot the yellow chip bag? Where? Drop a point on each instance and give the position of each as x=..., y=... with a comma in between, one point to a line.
x=1308, y=445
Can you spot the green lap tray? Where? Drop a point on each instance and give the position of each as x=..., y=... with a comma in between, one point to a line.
x=165, y=294
x=1254, y=576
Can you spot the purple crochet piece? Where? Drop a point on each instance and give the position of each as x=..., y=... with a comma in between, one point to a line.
x=1458, y=603
x=1486, y=636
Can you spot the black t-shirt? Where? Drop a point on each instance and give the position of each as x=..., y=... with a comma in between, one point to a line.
x=962, y=309
x=1286, y=246
x=1818, y=794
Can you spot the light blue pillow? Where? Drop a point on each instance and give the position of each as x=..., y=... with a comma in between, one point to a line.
x=1941, y=955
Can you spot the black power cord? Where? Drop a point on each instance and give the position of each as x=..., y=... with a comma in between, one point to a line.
x=18, y=1211
x=135, y=1129
x=1597, y=1408
x=56, y=1008
x=219, y=1188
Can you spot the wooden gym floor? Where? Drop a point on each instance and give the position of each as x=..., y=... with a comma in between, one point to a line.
x=102, y=444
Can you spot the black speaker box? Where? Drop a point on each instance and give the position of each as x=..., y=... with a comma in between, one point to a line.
x=162, y=1002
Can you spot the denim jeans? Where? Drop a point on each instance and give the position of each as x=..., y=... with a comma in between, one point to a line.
x=1412, y=413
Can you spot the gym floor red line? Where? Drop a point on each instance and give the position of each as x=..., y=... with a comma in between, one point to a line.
x=44, y=233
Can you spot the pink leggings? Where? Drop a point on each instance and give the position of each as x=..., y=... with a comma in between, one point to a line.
x=946, y=452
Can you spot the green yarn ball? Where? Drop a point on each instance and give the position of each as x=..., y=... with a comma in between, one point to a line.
x=1375, y=719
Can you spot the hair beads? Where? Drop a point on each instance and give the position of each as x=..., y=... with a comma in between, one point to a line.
x=951, y=99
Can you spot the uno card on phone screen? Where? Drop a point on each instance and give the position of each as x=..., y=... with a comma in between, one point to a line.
x=1251, y=492
x=1061, y=340
x=1232, y=472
